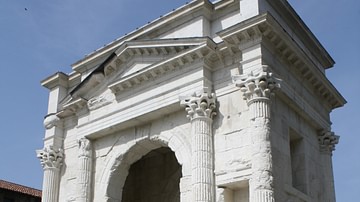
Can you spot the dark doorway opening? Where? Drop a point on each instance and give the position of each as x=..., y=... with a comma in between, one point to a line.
x=153, y=178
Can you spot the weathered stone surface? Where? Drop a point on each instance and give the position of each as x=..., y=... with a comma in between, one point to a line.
x=264, y=137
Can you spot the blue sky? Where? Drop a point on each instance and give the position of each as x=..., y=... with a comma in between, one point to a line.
x=48, y=36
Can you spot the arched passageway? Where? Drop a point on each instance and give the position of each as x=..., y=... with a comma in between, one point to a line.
x=153, y=178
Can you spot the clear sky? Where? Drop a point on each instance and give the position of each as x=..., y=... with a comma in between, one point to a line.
x=39, y=38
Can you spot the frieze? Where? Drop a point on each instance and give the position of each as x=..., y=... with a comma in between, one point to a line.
x=98, y=102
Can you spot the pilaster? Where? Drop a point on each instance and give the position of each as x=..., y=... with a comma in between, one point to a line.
x=84, y=170
x=51, y=160
x=200, y=110
x=257, y=90
x=327, y=142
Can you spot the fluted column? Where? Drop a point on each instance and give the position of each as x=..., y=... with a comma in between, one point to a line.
x=201, y=110
x=257, y=90
x=84, y=170
x=51, y=160
x=327, y=142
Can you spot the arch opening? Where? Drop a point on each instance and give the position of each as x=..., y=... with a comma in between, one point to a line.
x=154, y=178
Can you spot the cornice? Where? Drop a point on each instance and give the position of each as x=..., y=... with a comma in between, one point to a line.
x=164, y=67
x=267, y=28
x=57, y=79
x=72, y=107
x=293, y=20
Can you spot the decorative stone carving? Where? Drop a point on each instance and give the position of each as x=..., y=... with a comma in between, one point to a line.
x=98, y=102
x=84, y=147
x=50, y=157
x=200, y=106
x=257, y=85
x=51, y=120
x=327, y=141
x=257, y=89
x=200, y=111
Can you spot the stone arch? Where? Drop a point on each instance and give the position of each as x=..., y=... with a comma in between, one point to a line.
x=117, y=168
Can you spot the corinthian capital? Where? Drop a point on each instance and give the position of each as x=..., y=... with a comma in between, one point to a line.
x=200, y=106
x=257, y=85
x=50, y=157
x=327, y=141
x=84, y=147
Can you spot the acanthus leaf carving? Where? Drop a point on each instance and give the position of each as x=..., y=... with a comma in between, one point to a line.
x=50, y=157
x=327, y=141
x=200, y=106
x=257, y=85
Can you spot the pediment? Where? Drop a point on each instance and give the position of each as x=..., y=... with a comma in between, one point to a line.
x=136, y=62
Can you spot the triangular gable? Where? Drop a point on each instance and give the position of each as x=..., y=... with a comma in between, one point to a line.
x=135, y=62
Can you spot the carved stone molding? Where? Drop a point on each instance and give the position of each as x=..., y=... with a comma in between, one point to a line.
x=327, y=141
x=50, y=157
x=98, y=102
x=200, y=106
x=84, y=147
x=257, y=85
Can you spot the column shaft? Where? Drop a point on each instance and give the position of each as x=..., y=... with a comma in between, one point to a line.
x=84, y=179
x=200, y=111
x=50, y=188
x=257, y=90
x=202, y=160
x=261, y=182
x=329, y=188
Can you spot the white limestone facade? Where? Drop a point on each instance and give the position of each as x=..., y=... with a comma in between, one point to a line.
x=213, y=102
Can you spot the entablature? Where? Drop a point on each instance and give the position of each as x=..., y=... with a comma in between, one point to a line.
x=265, y=27
x=170, y=53
x=115, y=75
x=55, y=80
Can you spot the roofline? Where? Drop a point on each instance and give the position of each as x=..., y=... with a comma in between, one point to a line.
x=59, y=78
x=285, y=8
x=268, y=19
x=171, y=16
x=29, y=190
x=133, y=44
